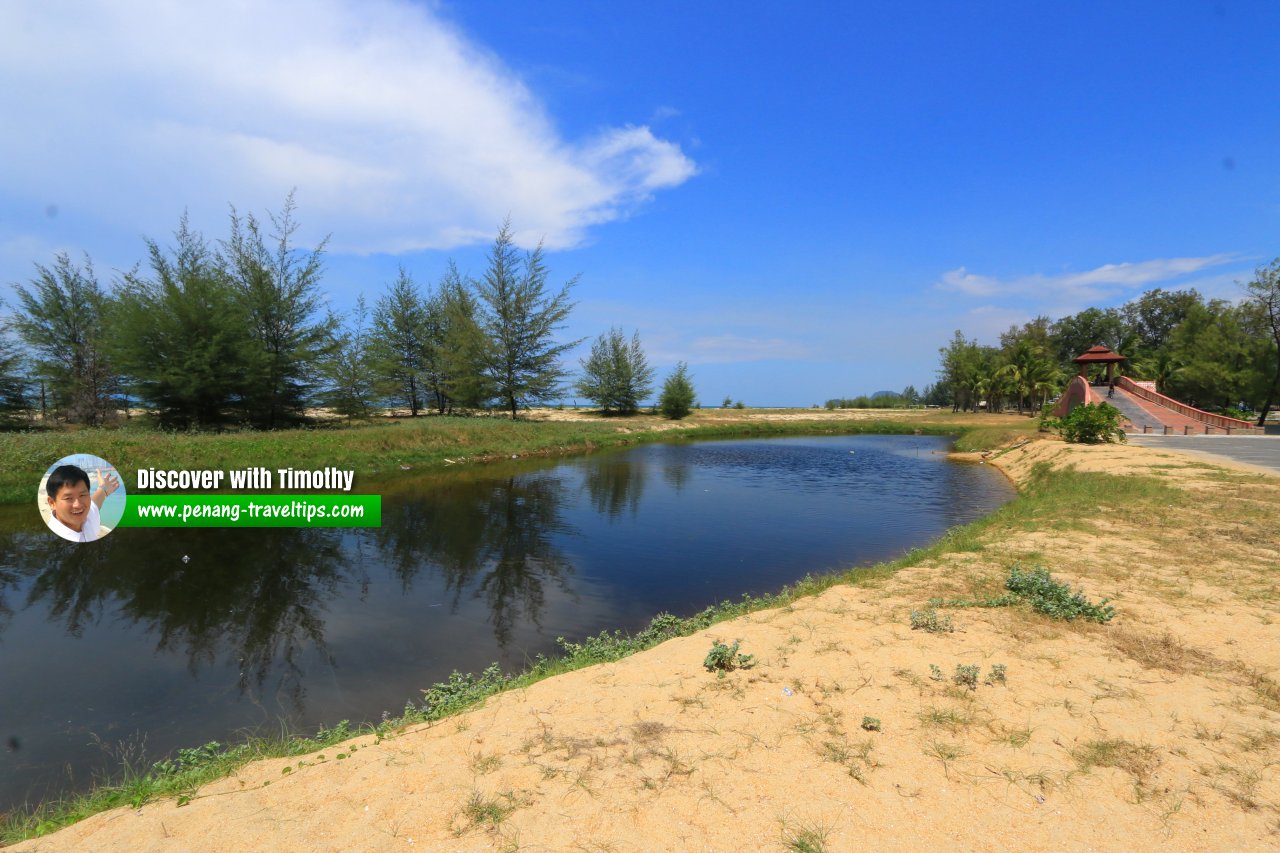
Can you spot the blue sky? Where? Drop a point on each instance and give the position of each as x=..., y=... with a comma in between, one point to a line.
x=801, y=200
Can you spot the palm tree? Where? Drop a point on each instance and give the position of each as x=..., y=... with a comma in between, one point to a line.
x=1028, y=368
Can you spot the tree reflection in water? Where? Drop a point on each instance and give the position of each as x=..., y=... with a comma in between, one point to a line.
x=614, y=485
x=262, y=606
x=492, y=537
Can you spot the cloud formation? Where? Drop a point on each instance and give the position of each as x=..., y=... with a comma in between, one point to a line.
x=398, y=133
x=1105, y=281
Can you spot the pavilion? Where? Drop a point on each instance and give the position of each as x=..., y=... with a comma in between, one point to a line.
x=1099, y=355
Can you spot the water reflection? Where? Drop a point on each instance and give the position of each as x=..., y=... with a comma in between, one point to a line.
x=494, y=540
x=488, y=564
x=262, y=612
x=615, y=485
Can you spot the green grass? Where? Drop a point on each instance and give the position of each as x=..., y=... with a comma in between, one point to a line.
x=805, y=838
x=989, y=438
x=179, y=777
x=1061, y=500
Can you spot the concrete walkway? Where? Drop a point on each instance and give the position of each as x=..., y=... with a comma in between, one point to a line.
x=1260, y=450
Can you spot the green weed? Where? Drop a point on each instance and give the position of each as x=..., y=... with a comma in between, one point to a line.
x=929, y=620
x=1045, y=595
x=722, y=658
x=966, y=675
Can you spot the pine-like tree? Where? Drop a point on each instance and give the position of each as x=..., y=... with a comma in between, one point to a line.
x=677, y=393
x=399, y=343
x=182, y=336
x=347, y=366
x=616, y=376
x=63, y=319
x=279, y=290
x=519, y=319
x=14, y=404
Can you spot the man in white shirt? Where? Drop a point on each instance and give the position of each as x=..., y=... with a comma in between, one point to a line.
x=75, y=515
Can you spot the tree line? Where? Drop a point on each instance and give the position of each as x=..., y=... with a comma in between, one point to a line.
x=1215, y=354
x=236, y=333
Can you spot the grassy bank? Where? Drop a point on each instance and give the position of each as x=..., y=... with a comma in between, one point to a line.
x=1052, y=502
x=379, y=451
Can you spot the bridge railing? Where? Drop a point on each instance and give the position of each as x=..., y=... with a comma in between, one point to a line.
x=1220, y=421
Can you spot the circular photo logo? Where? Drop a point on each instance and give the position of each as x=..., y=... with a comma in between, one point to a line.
x=81, y=497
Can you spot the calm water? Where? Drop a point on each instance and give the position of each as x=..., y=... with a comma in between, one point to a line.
x=124, y=647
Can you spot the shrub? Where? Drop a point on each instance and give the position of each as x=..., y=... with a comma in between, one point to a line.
x=929, y=620
x=617, y=375
x=966, y=675
x=1055, y=599
x=677, y=394
x=1089, y=424
x=722, y=658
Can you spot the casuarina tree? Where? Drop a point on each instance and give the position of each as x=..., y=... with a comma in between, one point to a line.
x=519, y=319
x=616, y=376
x=677, y=394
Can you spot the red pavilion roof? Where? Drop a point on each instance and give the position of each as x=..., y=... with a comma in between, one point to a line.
x=1099, y=354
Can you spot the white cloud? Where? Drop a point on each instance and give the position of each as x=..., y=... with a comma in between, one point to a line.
x=398, y=132
x=1100, y=283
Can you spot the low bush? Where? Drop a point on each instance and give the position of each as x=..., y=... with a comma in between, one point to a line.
x=1037, y=588
x=1055, y=599
x=722, y=658
x=1089, y=424
x=929, y=620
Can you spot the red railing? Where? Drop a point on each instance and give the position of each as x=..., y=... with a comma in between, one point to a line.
x=1220, y=421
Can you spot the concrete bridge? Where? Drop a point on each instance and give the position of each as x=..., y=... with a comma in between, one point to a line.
x=1149, y=412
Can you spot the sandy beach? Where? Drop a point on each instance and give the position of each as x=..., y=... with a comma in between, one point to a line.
x=850, y=730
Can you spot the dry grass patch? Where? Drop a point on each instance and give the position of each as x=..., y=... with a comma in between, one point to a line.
x=1138, y=760
x=1163, y=651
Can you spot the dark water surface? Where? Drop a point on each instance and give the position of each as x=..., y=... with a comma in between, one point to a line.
x=122, y=647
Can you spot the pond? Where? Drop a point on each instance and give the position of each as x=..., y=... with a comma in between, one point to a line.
x=151, y=640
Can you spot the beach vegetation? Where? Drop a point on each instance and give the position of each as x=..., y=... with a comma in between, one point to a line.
x=1037, y=588
x=519, y=318
x=930, y=620
x=400, y=348
x=347, y=368
x=62, y=318
x=677, y=394
x=616, y=376
x=723, y=658
x=966, y=675
x=1089, y=424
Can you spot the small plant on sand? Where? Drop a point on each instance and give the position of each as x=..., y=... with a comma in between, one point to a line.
x=805, y=839
x=966, y=675
x=997, y=674
x=482, y=811
x=935, y=672
x=1055, y=599
x=1138, y=760
x=1037, y=588
x=929, y=620
x=871, y=724
x=722, y=658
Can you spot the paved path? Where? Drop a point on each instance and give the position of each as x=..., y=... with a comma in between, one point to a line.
x=1260, y=450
